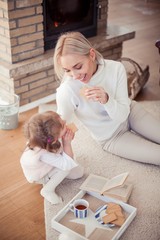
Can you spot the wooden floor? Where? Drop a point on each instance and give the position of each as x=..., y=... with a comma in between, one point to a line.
x=142, y=16
x=21, y=206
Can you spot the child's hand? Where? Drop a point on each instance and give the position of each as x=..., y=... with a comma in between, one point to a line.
x=66, y=141
x=68, y=136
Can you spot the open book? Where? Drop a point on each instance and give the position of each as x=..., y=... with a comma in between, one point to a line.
x=117, y=187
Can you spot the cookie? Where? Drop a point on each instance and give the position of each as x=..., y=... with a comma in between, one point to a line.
x=73, y=127
x=110, y=204
x=82, y=92
x=119, y=221
x=109, y=218
x=114, y=208
x=119, y=214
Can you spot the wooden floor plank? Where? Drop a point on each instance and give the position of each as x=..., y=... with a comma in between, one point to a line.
x=21, y=206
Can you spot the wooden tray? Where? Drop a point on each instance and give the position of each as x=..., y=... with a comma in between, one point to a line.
x=65, y=222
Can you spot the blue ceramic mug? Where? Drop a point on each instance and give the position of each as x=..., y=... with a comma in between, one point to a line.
x=80, y=208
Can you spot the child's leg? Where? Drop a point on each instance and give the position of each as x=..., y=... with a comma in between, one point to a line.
x=76, y=172
x=48, y=191
x=143, y=123
x=43, y=180
x=132, y=146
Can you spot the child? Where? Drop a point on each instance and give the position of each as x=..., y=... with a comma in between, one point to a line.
x=47, y=160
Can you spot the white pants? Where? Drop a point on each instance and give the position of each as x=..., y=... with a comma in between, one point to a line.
x=74, y=173
x=138, y=138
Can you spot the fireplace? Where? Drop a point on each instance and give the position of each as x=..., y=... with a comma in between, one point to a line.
x=26, y=60
x=69, y=15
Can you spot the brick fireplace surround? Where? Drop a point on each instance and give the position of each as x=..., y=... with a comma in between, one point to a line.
x=25, y=67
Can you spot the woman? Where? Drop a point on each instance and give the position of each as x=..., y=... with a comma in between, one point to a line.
x=95, y=90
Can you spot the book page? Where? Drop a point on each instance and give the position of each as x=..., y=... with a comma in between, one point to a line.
x=115, y=182
x=93, y=183
x=121, y=191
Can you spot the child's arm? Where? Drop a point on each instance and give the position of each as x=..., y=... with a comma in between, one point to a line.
x=63, y=161
x=66, y=141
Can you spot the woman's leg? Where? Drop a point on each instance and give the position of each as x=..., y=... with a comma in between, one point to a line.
x=141, y=141
x=134, y=147
x=143, y=123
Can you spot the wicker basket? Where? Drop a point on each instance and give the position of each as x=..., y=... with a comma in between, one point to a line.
x=137, y=77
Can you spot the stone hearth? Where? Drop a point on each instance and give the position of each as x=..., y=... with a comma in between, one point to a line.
x=25, y=67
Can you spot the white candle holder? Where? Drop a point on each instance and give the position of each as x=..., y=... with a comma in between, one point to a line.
x=9, y=110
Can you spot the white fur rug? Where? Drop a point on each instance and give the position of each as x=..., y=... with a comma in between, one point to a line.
x=146, y=179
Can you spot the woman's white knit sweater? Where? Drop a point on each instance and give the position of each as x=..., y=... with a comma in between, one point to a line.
x=102, y=120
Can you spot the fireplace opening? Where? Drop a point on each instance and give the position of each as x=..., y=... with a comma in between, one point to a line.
x=68, y=15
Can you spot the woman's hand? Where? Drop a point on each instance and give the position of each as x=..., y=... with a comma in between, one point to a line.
x=97, y=94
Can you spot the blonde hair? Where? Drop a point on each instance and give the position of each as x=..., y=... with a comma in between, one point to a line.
x=42, y=130
x=71, y=43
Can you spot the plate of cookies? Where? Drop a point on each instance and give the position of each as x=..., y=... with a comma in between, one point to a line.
x=110, y=215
